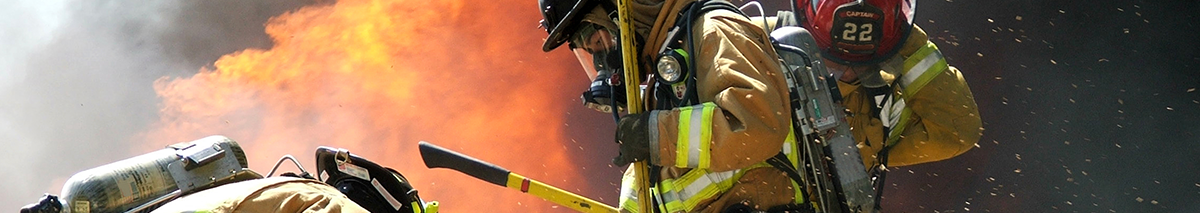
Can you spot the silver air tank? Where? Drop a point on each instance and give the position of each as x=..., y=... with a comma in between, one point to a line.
x=142, y=181
x=824, y=119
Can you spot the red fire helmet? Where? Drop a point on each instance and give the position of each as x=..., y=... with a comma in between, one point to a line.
x=858, y=31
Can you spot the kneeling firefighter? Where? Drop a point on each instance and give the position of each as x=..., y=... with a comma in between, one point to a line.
x=718, y=99
x=211, y=175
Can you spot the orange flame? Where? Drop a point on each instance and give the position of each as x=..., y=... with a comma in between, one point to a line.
x=375, y=77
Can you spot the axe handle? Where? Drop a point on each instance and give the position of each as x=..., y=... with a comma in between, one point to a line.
x=438, y=157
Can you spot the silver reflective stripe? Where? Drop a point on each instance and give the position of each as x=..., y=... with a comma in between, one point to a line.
x=694, y=133
x=653, y=124
x=387, y=195
x=787, y=148
x=667, y=42
x=689, y=192
x=670, y=196
x=889, y=113
x=628, y=193
x=920, y=68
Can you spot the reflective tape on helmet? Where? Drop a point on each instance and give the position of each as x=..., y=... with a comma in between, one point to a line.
x=694, y=136
x=922, y=67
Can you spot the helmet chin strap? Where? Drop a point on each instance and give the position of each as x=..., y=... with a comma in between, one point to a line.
x=873, y=79
x=889, y=70
x=879, y=75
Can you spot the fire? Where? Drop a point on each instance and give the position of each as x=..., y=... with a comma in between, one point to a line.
x=376, y=77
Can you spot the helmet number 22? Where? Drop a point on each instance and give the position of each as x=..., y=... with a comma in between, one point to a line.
x=863, y=32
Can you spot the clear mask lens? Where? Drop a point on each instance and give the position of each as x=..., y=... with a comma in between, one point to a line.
x=598, y=53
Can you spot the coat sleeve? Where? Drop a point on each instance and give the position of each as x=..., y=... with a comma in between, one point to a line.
x=743, y=118
x=938, y=119
x=945, y=124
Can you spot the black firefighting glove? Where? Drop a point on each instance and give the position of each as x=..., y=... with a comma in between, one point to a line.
x=633, y=135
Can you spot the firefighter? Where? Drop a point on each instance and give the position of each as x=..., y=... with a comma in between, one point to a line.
x=274, y=194
x=907, y=105
x=712, y=125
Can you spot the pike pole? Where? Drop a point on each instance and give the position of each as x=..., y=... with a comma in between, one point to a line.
x=633, y=82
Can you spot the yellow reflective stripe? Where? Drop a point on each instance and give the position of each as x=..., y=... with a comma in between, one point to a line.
x=628, y=193
x=890, y=114
x=695, y=136
x=682, y=137
x=686, y=192
x=708, y=186
x=898, y=129
x=799, y=196
x=631, y=207
x=791, y=149
x=706, y=136
x=654, y=191
x=653, y=124
x=921, y=67
x=670, y=196
x=697, y=185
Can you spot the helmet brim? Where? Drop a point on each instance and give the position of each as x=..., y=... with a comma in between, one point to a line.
x=560, y=32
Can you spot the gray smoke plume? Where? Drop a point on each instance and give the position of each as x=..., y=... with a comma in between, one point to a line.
x=76, y=77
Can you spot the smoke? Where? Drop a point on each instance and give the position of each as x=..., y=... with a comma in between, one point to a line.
x=76, y=77
x=377, y=77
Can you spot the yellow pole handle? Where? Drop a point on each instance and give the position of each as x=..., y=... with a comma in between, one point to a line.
x=633, y=82
x=438, y=157
x=556, y=195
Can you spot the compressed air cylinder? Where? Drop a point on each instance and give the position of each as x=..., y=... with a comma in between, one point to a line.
x=129, y=183
x=817, y=98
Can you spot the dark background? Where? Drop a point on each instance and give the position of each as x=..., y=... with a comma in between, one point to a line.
x=1088, y=106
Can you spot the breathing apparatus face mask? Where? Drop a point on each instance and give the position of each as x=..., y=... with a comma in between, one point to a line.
x=600, y=54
